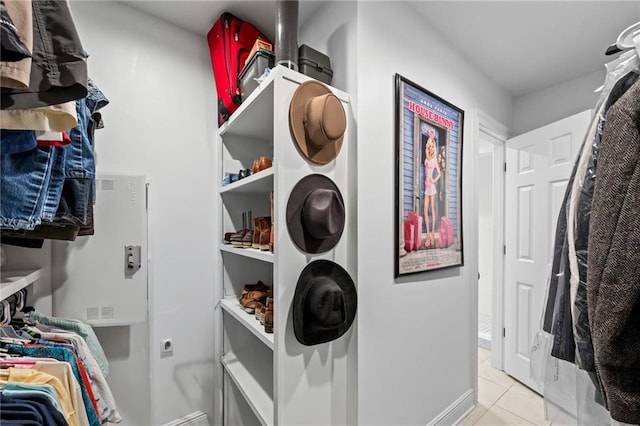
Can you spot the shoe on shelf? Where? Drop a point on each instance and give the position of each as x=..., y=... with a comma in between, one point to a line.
x=263, y=312
x=261, y=306
x=268, y=316
x=247, y=238
x=227, y=237
x=256, y=232
x=237, y=238
x=261, y=164
x=258, y=311
x=244, y=173
x=251, y=294
x=264, y=233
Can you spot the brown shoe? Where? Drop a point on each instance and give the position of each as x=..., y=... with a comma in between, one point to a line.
x=258, y=311
x=247, y=238
x=237, y=238
x=251, y=294
x=261, y=164
x=268, y=316
x=256, y=232
x=264, y=233
x=227, y=237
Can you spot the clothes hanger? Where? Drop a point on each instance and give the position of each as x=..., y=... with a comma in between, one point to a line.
x=20, y=300
x=6, y=312
x=628, y=39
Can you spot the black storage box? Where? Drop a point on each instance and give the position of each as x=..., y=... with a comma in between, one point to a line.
x=314, y=64
x=254, y=68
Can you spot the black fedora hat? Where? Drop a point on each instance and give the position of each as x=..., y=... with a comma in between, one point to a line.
x=315, y=214
x=324, y=303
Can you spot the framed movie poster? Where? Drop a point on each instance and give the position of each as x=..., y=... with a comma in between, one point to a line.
x=428, y=180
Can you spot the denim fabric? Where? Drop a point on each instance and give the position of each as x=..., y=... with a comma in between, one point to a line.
x=80, y=162
x=96, y=100
x=31, y=186
x=80, y=169
x=16, y=141
x=54, y=189
x=24, y=182
x=74, y=202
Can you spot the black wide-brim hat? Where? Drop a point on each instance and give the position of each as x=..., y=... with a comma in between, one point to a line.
x=324, y=303
x=315, y=214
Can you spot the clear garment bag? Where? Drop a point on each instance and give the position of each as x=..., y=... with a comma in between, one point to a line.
x=562, y=353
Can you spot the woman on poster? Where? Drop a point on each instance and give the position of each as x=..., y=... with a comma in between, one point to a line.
x=441, y=200
x=430, y=165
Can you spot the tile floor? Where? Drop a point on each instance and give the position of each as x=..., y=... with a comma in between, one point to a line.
x=502, y=400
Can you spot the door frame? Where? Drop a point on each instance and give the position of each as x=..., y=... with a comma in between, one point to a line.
x=489, y=126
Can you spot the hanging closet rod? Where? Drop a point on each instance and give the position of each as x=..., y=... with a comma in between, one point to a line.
x=628, y=39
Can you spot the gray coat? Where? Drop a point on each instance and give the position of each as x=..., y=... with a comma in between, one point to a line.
x=613, y=275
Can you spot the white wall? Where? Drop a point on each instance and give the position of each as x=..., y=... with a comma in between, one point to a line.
x=546, y=106
x=332, y=31
x=417, y=336
x=161, y=121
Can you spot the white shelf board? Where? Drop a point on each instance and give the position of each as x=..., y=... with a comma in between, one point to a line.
x=254, y=394
x=16, y=280
x=249, y=120
x=261, y=182
x=233, y=308
x=265, y=256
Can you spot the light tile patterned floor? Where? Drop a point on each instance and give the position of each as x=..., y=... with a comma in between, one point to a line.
x=502, y=400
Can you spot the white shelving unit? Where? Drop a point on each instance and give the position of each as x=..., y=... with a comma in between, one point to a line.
x=233, y=308
x=265, y=256
x=281, y=381
x=260, y=182
x=257, y=398
x=16, y=280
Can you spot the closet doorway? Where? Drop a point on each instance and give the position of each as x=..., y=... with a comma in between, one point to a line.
x=538, y=167
x=490, y=183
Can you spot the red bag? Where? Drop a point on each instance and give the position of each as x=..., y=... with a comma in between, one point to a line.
x=230, y=40
x=446, y=232
x=416, y=220
x=408, y=236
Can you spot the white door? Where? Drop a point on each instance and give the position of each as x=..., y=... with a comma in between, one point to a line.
x=538, y=167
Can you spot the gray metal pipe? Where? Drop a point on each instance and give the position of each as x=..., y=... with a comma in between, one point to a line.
x=287, y=33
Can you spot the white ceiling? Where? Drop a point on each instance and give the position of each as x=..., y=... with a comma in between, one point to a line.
x=523, y=46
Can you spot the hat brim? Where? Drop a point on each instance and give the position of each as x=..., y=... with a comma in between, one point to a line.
x=302, y=239
x=307, y=90
x=323, y=268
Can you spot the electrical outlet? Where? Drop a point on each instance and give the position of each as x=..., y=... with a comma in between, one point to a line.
x=167, y=346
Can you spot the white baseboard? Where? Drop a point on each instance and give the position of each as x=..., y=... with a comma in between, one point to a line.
x=454, y=413
x=194, y=419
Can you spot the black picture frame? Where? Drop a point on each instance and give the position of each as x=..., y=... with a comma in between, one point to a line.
x=428, y=198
